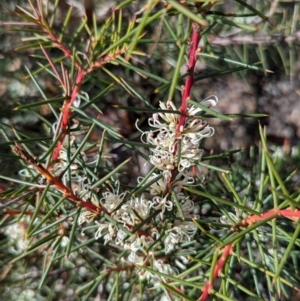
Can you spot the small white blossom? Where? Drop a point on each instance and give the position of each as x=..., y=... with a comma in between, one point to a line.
x=160, y=186
x=17, y=233
x=232, y=218
x=161, y=203
x=187, y=206
x=86, y=216
x=162, y=159
x=111, y=200
x=111, y=232
x=166, y=153
x=210, y=101
x=124, y=216
x=171, y=119
x=132, y=213
x=183, y=232
x=138, y=243
x=141, y=206
x=120, y=237
x=134, y=258
x=164, y=268
x=195, y=131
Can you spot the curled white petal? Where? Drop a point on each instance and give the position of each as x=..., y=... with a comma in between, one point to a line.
x=210, y=101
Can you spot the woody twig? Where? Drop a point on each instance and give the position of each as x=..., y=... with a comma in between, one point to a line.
x=56, y=181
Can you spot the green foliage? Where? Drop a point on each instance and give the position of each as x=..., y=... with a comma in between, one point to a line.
x=80, y=222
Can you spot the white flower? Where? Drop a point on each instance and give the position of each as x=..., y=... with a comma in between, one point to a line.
x=189, y=211
x=164, y=268
x=138, y=243
x=234, y=218
x=135, y=258
x=187, y=206
x=195, y=130
x=141, y=206
x=210, y=101
x=161, y=203
x=28, y=172
x=120, y=237
x=188, y=230
x=189, y=157
x=165, y=139
x=188, y=179
x=16, y=233
x=112, y=199
x=123, y=216
x=162, y=159
x=110, y=234
x=183, y=232
x=170, y=242
x=132, y=213
x=159, y=187
x=86, y=216
x=171, y=119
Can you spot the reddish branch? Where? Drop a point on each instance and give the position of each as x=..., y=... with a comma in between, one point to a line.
x=38, y=16
x=189, y=82
x=195, y=39
x=67, y=192
x=56, y=181
x=274, y=213
x=66, y=112
x=13, y=212
x=288, y=213
x=217, y=272
x=39, y=20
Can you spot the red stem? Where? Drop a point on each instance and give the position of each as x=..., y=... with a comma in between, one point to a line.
x=189, y=82
x=288, y=213
x=66, y=112
x=217, y=271
x=56, y=181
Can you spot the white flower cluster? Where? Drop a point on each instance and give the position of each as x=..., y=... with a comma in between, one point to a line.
x=173, y=146
x=161, y=219
x=135, y=211
x=74, y=173
x=158, y=222
x=140, y=221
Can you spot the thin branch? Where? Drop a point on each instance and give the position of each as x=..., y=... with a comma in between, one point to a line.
x=217, y=272
x=287, y=213
x=56, y=181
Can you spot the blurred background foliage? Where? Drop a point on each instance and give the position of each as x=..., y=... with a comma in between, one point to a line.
x=272, y=45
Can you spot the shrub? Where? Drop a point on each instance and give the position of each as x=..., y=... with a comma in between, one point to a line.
x=87, y=218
